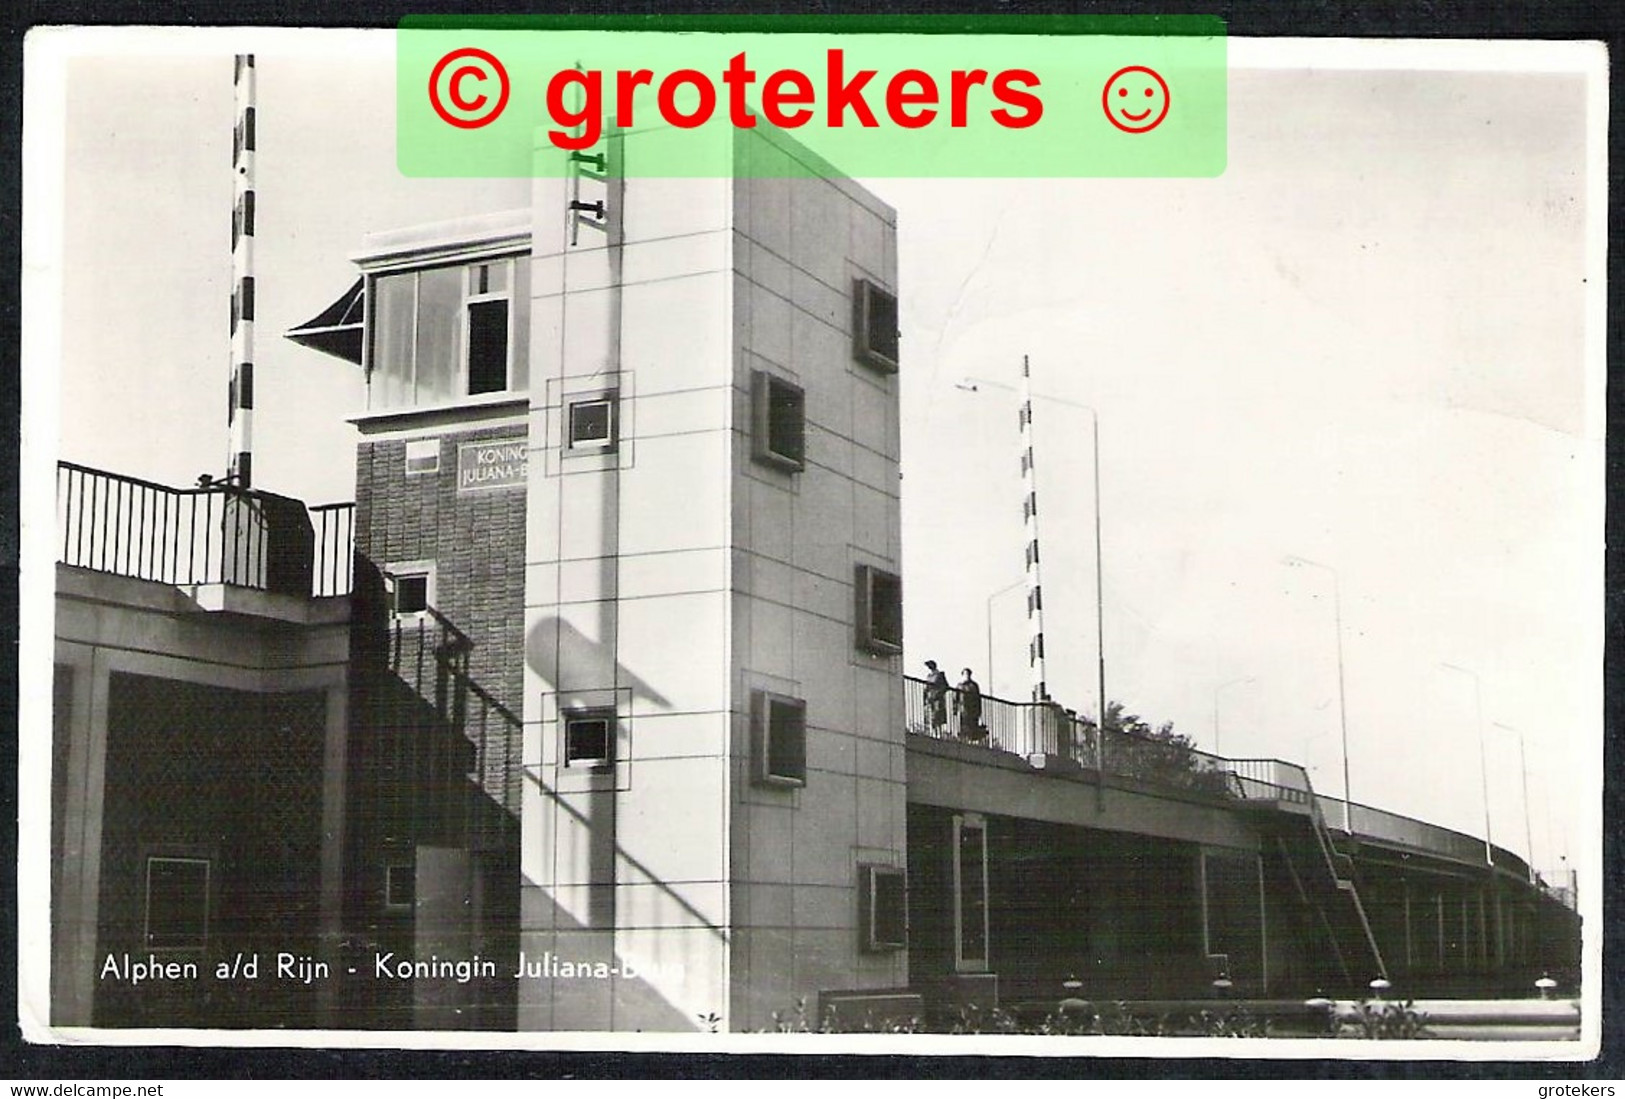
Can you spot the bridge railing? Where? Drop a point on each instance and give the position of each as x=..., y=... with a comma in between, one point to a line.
x=1366, y=820
x=335, y=548
x=1021, y=728
x=1032, y=728
x=210, y=534
x=1270, y=780
x=1045, y=728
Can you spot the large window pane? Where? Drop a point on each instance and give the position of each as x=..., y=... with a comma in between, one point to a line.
x=439, y=327
x=392, y=330
x=444, y=333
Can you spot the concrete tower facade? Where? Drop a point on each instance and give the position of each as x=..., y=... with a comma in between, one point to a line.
x=714, y=761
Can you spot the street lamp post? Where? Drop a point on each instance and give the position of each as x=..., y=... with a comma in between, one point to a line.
x=1217, y=691
x=991, y=689
x=1528, y=829
x=1483, y=755
x=1342, y=708
x=1034, y=595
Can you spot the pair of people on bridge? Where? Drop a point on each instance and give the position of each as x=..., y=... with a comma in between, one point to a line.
x=967, y=703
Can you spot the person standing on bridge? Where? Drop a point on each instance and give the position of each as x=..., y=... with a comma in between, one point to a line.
x=936, y=698
x=968, y=701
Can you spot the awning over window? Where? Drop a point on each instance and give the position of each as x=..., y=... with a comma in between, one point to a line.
x=336, y=330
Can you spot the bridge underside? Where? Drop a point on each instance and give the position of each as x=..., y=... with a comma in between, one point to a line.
x=1050, y=883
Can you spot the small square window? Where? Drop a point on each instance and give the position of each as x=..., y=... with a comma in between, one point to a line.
x=589, y=738
x=874, y=326
x=879, y=611
x=177, y=903
x=778, y=422
x=422, y=456
x=592, y=424
x=882, y=899
x=411, y=591
x=400, y=885
x=779, y=739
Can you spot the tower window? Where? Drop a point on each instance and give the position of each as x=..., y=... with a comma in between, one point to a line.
x=879, y=610
x=589, y=738
x=779, y=739
x=874, y=326
x=592, y=423
x=778, y=422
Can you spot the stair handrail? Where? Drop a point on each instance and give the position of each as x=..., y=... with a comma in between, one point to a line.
x=1328, y=851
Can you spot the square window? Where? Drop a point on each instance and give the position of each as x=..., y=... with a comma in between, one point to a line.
x=422, y=456
x=874, y=326
x=779, y=739
x=589, y=738
x=778, y=422
x=879, y=610
x=400, y=885
x=592, y=423
x=882, y=899
x=411, y=590
x=177, y=903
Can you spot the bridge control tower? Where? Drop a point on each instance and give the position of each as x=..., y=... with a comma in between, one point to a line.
x=629, y=482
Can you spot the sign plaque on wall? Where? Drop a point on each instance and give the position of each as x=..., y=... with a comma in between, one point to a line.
x=492, y=463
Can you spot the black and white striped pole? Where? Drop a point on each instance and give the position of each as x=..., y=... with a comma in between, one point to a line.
x=241, y=408
x=1035, y=596
x=1029, y=518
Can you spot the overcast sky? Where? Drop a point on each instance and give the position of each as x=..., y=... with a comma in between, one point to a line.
x=1365, y=344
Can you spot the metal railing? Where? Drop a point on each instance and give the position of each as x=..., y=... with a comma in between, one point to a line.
x=334, y=526
x=215, y=534
x=1270, y=780
x=1031, y=728
x=1045, y=728
x=1379, y=824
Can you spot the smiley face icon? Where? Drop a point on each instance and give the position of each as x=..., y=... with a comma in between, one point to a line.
x=1136, y=99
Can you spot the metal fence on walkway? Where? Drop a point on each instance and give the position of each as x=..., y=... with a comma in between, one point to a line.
x=1029, y=729
x=210, y=534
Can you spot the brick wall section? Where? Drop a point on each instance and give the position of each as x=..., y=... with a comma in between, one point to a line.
x=477, y=543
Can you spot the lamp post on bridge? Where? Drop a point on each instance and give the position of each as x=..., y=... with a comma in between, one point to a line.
x=1528, y=829
x=991, y=689
x=1217, y=691
x=1294, y=561
x=1483, y=754
x=1029, y=511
